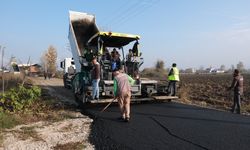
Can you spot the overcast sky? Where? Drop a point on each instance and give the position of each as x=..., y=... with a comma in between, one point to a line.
x=191, y=33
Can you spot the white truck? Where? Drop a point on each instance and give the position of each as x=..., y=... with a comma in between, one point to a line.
x=68, y=66
x=87, y=41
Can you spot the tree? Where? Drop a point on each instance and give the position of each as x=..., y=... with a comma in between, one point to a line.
x=159, y=65
x=48, y=60
x=44, y=61
x=189, y=70
x=223, y=67
x=201, y=69
x=240, y=66
x=232, y=68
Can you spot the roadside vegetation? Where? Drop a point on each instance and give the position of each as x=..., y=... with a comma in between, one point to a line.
x=75, y=146
x=19, y=98
x=25, y=104
x=32, y=114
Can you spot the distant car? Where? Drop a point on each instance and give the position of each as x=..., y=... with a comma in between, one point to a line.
x=6, y=71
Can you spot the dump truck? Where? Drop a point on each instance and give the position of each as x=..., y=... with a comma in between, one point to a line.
x=87, y=41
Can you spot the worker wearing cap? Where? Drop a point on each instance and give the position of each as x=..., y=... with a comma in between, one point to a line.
x=237, y=85
x=173, y=78
x=122, y=91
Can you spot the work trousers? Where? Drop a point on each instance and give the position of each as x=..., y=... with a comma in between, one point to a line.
x=124, y=104
x=172, y=89
x=95, y=88
x=236, y=104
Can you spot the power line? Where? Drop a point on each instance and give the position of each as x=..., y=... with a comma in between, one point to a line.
x=120, y=11
x=136, y=13
x=117, y=9
x=123, y=11
x=131, y=10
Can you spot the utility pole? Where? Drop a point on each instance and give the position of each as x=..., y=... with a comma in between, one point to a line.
x=2, y=70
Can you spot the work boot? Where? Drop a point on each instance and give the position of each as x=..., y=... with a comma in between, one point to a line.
x=238, y=111
x=126, y=119
x=121, y=118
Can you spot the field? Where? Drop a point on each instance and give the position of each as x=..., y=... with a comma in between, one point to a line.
x=210, y=89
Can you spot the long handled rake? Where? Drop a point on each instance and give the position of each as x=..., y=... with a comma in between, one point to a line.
x=99, y=113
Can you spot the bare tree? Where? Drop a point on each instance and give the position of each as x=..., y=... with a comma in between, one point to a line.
x=223, y=67
x=232, y=68
x=159, y=65
x=240, y=66
x=201, y=69
x=44, y=61
x=48, y=60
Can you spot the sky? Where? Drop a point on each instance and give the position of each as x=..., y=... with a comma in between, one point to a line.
x=191, y=33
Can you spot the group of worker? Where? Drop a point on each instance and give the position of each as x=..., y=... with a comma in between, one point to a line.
x=123, y=82
x=114, y=57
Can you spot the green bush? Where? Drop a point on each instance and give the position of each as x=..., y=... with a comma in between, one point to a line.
x=19, y=98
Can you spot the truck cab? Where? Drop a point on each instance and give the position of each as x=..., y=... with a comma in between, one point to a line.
x=68, y=66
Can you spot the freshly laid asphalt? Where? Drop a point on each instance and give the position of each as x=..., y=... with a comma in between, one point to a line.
x=169, y=126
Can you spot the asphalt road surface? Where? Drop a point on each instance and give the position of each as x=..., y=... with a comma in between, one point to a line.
x=161, y=125
x=169, y=126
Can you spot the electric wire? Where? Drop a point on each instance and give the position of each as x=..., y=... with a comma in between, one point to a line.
x=135, y=14
x=125, y=13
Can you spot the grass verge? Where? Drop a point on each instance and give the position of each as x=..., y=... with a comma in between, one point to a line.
x=246, y=107
x=28, y=132
x=75, y=146
x=1, y=139
x=8, y=121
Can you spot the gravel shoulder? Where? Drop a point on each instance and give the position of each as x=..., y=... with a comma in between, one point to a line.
x=69, y=133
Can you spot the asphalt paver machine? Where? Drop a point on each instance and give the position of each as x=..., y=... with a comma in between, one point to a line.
x=86, y=41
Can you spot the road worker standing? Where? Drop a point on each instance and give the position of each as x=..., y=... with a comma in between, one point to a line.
x=237, y=85
x=95, y=78
x=173, y=78
x=122, y=91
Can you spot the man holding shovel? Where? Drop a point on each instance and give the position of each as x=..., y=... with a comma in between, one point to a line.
x=122, y=91
x=237, y=85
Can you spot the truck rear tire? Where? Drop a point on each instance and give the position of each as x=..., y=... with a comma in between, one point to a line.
x=81, y=99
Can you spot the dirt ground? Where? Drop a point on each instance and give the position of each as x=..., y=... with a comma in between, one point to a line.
x=69, y=133
x=210, y=89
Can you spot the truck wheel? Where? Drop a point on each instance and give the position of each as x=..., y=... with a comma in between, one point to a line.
x=81, y=99
x=66, y=86
x=64, y=83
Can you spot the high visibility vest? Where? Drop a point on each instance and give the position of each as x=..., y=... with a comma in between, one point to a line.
x=175, y=75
